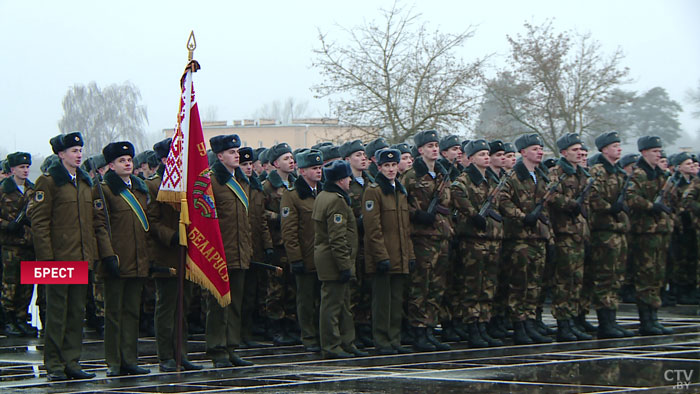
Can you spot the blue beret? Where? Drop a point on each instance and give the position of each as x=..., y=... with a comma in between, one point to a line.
x=221, y=143
x=336, y=170
x=115, y=150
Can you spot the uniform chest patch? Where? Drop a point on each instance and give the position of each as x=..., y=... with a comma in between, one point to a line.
x=98, y=204
x=39, y=196
x=285, y=212
x=338, y=218
x=369, y=205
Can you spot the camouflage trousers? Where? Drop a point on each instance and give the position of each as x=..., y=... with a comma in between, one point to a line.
x=649, y=263
x=428, y=281
x=361, y=291
x=568, y=276
x=479, y=259
x=15, y=296
x=280, y=298
x=451, y=308
x=500, y=299
x=628, y=279
x=526, y=265
x=682, y=268
x=608, y=259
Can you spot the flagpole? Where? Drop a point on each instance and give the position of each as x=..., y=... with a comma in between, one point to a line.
x=191, y=46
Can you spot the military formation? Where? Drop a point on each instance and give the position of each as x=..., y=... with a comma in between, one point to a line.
x=344, y=248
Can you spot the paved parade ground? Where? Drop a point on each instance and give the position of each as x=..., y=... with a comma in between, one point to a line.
x=667, y=363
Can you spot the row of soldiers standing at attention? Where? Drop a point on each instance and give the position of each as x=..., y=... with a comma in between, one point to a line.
x=379, y=246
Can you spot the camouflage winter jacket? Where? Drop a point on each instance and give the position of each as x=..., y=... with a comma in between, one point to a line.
x=421, y=188
x=469, y=193
x=564, y=211
x=519, y=197
x=606, y=189
x=645, y=185
x=12, y=202
x=691, y=201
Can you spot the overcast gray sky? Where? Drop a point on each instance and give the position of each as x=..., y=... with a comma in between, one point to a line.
x=255, y=52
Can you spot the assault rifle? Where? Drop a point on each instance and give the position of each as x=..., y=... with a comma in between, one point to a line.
x=668, y=185
x=433, y=206
x=22, y=215
x=537, y=212
x=582, y=197
x=623, y=195
x=486, y=206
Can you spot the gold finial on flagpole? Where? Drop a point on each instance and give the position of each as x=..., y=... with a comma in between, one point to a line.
x=191, y=45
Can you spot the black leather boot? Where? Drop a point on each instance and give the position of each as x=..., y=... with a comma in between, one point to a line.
x=655, y=322
x=531, y=330
x=279, y=338
x=494, y=328
x=606, y=329
x=11, y=327
x=420, y=340
x=484, y=332
x=541, y=327
x=461, y=329
x=448, y=332
x=431, y=338
x=613, y=319
x=580, y=334
x=564, y=333
x=646, y=325
x=583, y=324
x=520, y=336
x=475, y=339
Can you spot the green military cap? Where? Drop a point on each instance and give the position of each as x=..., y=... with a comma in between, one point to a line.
x=162, y=148
x=5, y=166
x=423, y=137
x=476, y=146
x=496, y=146
x=606, y=139
x=388, y=155
x=72, y=139
x=584, y=147
x=48, y=162
x=114, y=150
x=309, y=158
x=221, y=143
x=258, y=152
x=402, y=147
x=549, y=163
x=527, y=140
x=464, y=145
x=448, y=142
x=278, y=150
x=648, y=142
x=263, y=156
x=565, y=141
x=142, y=158
x=336, y=170
x=350, y=147
x=679, y=158
x=246, y=154
x=414, y=151
x=330, y=152
x=375, y=145
x=56, y=143
x=663, y=154
x=321, y=144
x=628, y=159
x=18, y=158
x=508, y=147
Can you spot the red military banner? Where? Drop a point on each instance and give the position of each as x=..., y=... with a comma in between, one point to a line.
x=187, y=182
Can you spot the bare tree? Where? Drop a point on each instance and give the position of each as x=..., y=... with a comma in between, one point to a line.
x=396, y=77
x=553, y=81
x=104, y=115
x=211, y=113
x=283, y=111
